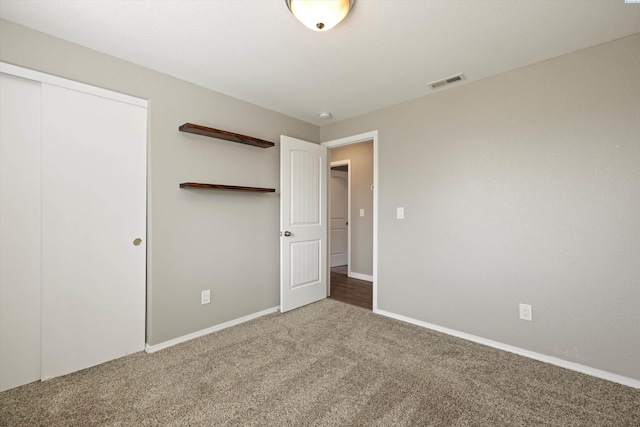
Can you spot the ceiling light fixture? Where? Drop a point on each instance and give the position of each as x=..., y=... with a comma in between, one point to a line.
x=320, y=15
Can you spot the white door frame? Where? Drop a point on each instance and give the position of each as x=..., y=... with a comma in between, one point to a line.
x=349, y=140
x=346, y=163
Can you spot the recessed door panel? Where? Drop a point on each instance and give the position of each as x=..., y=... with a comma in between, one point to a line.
x=305, y=188
x=305, y=263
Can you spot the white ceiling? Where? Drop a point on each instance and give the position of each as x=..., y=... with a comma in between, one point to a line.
x=385, y=52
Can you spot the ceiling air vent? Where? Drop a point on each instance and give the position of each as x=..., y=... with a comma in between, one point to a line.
x=447, y=81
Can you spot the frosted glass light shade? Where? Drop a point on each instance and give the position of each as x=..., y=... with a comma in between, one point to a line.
x=320, y=15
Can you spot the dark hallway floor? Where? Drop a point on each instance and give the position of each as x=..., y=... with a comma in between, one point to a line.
x=349, y=290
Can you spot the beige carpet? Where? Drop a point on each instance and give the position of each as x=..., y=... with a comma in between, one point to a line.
x=327, y=364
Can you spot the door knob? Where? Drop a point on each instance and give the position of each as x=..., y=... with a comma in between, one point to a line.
x=287, y=234
x=137, y=241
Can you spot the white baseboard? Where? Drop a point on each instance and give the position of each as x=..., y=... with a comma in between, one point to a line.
x=361, y=276
x=522, y=352
x=153, y=348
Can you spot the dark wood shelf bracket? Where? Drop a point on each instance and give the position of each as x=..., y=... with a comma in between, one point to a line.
x=223, y=134
x=226, y=187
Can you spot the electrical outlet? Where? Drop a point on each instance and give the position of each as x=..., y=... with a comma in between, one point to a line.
x=361, y=212
x=525, y=312
x=205, y=297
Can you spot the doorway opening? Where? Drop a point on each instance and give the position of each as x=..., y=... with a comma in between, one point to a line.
x=352, y=218
x=342, y=285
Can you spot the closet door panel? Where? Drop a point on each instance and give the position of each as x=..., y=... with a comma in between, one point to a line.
x=19, y=231
x=93, y=208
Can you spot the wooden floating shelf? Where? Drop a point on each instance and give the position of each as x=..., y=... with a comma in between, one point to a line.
x=226, y=187
x=223, y=134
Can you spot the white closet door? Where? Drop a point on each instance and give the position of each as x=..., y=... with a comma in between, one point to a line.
x=93, y=208
x=339, y=218
x=19, y=231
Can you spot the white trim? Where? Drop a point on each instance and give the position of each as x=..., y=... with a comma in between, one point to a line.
x=520, y=351
x=367, y=277
x=28, y=74
x=153, y=348
x=367, y=136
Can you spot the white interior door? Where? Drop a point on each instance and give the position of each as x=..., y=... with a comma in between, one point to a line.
x=339, y=218
x=303, y=223
x=20, y=233
x=93, y=207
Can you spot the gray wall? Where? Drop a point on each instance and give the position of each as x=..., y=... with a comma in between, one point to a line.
x=361, y=156
x=520, y=188
x=224, y=241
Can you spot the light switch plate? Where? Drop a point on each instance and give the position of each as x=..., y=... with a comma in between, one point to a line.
x=400, y=213
x=361, y=212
